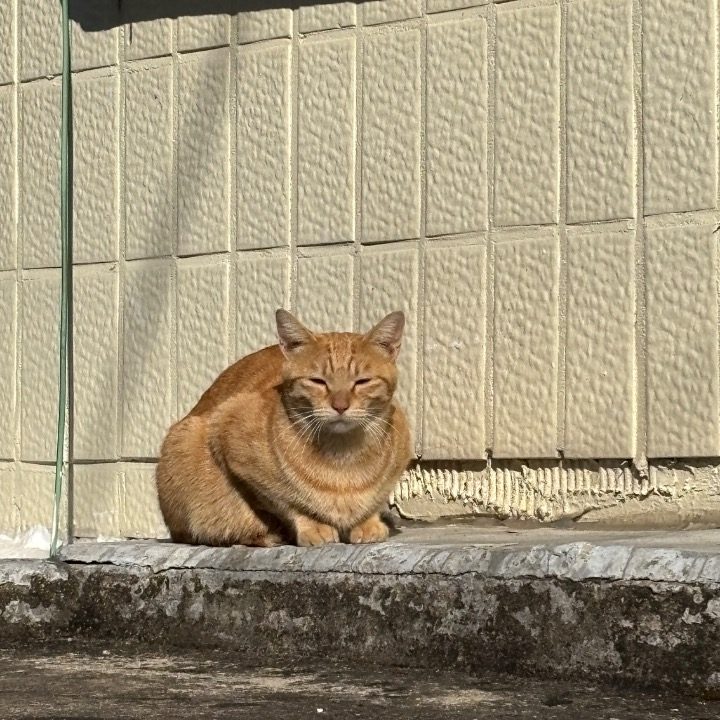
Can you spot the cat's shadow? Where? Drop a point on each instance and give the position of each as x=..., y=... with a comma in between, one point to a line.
x=391, y=521
x=97, y=15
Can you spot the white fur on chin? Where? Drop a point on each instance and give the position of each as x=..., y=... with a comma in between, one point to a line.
x=341, y=425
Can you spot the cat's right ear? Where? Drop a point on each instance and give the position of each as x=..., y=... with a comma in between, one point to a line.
x=292, y=334
x=387, y=334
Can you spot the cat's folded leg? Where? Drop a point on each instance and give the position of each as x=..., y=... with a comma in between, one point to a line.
x=371, y=530
x=268, y=540
x=309, y=532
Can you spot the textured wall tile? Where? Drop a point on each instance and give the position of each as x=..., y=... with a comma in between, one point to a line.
x=203, y=31
x=149, y=211
x=202, y=328
x=8, y=227
x=38, y=37
x=7, y=31
x=9, y=519
x=600, y=353
x=8, y=306
x=147, y=39
x=140, y=515
x=95, y=202
x=263, y=146
x=391, y=137
x=95, y=323
x=262, y=287
x=39, y=369
x=326, y=17
x=682, y=342
x=383, y=11
x=264, y=25
x=326, y=142
x=93, y=49
x=434, y=6
x=527, y=115
x=40, y=174
x=456, y=127
x=97, y=500
x=325, y=292
x=600, y=110
x=147, y=339
x=204, y=153
x=454, y=353
x=679, y=105
x=33, y=498
x=388, y=283
x=526, y=348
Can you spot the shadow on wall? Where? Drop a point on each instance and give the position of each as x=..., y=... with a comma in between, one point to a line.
x=96, y=15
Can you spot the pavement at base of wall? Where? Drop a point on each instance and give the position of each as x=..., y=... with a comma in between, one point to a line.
x=124, y=683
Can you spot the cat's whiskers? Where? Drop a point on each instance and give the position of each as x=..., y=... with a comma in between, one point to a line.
x=374, y=434
x=305, y=427
x=300, y=428
x=300, y=444
x=376, y=431
x=380, y=419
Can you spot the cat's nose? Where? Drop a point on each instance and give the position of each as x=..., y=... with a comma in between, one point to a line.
x=340, y=403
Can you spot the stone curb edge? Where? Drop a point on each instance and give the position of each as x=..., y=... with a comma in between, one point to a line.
x=573, y=561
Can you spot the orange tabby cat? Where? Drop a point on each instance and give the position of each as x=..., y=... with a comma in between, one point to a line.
x=300, y=442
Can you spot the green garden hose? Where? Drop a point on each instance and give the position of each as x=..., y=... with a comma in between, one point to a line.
x=62, y=453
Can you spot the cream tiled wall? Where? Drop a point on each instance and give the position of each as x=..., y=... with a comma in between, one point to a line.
x=533, y=181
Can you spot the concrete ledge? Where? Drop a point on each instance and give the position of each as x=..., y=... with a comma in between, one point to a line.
x=571, y=561
x=594, y=608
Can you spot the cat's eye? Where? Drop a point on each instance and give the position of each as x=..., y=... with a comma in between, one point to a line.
x=362, y=381
x=317, y=381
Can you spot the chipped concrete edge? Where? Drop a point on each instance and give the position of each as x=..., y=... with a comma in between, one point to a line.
x=575, y=561
x=22, y=573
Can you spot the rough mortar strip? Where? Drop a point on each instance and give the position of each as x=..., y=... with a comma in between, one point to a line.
x=550, y=491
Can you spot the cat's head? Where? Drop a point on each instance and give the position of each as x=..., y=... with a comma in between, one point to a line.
x=339, y=381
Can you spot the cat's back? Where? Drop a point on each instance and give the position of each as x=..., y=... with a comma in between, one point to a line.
x=258, y=372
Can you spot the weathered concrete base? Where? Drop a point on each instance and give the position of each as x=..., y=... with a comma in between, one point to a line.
x=600, y=607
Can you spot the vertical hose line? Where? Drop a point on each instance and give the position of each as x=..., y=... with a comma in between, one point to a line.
x=62, y=453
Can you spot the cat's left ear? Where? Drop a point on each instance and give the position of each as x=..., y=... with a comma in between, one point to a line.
x=292, y=334
x=387, y=334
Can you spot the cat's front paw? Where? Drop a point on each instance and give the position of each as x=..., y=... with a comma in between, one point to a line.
x=371, y=531
x=310, y=533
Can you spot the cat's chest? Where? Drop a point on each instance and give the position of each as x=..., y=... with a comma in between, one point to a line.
x=338, y=476
x=340, y=488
